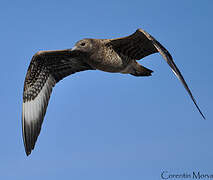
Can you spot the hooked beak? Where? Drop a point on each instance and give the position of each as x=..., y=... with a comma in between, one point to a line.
x=74, y=48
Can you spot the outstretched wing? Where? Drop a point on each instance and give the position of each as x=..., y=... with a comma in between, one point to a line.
x=45, y=70
x=141, y=44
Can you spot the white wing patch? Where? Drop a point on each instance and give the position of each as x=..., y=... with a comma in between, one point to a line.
x=33, y=113
x=34, y=108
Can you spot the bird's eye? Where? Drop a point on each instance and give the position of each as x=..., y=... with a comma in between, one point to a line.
x=83, y=44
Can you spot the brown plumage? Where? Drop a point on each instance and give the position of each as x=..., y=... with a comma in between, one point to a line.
x=110, y=55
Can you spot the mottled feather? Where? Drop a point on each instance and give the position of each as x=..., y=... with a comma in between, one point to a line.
x=111, y=55
x=45, y=70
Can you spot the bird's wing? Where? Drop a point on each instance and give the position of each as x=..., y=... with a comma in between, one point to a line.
x=45, y=70
x=141, y=44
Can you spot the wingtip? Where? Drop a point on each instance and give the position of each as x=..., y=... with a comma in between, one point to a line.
x=195, y=103
x=203, y=116
x=28, y=150
x=28, y=153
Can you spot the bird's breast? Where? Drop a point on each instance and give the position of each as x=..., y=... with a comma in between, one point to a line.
x=109, y=61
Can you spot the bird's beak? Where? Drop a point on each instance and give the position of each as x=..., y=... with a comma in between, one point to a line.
x=74, y=48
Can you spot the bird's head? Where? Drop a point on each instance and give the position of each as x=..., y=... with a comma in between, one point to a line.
x=84, y=45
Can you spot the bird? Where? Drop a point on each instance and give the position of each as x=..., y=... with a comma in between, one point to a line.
x=119, y=55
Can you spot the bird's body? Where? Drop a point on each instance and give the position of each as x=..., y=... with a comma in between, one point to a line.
x=110, y=55
x=104, y=57
x=108, y=60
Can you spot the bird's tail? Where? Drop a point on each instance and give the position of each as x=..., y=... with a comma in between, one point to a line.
x=139, y=70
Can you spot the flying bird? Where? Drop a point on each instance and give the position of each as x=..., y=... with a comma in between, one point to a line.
x=118, y=55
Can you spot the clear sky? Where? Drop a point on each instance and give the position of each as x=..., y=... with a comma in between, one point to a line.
x=102, y=126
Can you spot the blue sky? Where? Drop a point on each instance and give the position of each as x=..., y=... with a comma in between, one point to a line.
x=109, y=126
